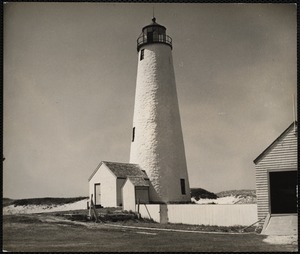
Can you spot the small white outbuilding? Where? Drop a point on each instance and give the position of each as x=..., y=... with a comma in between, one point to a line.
x=107, y=180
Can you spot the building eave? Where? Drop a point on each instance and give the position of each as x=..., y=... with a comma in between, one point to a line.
x=95, y=171
x=259, y=157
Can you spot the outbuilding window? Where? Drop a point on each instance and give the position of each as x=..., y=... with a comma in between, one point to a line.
x=142, y=54
x=133, y=134
x=182, y=184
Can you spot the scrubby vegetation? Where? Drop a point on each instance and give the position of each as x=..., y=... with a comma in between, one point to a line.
x=235, y=193
x=7, y=202
x=40, y=201
x=242, y=196
x=198, y=193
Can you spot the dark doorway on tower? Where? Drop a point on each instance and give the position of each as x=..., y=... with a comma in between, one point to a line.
x=283, y=192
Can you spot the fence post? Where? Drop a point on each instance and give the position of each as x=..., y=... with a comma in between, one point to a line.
x=90, y=207
x=163, y=213
x=148, y=212
x=138, y=210
x=94, y=208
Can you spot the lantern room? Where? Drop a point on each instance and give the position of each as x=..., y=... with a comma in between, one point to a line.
x=153, y=33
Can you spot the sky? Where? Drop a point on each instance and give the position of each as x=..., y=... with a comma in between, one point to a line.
x=69, y=87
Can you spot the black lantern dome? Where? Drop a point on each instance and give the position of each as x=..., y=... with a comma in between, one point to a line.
x=153, y=33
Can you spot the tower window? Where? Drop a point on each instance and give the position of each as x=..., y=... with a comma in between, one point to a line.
x=182, y=184
x=142, y=54
x=133, y=134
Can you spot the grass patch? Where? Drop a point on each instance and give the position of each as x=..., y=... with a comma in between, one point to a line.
x=51, y=236
x=28, y=219
x=180, y=226
x=104, y=214
x=118, y=217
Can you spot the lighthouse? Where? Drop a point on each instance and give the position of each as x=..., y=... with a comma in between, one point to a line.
x=157, y=142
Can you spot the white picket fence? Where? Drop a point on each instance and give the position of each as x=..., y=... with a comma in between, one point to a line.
x=218, y=215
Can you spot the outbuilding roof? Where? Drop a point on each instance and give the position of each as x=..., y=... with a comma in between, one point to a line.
x=122, y=170
x=293, y=124
x=138, y=181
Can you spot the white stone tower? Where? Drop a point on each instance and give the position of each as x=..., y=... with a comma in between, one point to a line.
x=157, y=141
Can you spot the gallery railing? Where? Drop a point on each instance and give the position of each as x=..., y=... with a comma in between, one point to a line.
x=142, y=40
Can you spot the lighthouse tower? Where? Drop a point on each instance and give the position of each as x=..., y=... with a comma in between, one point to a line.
x=157, y=141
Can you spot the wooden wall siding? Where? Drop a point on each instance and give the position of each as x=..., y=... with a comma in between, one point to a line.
x=283, y=154
x=282, y=157
x=262, y=192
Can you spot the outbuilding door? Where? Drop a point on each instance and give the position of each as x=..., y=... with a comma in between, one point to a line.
x=141, y=195
x=283, y=192
x=97, y=194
